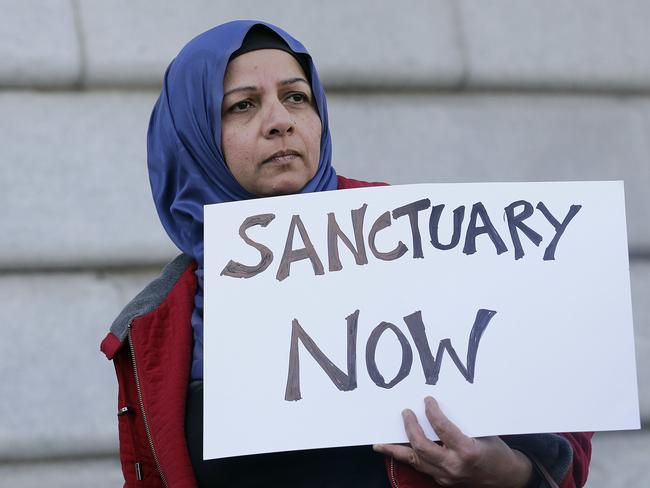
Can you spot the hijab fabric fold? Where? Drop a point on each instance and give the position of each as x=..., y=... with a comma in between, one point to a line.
x=187, y=169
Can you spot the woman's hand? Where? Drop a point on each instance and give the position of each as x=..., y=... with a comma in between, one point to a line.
x=458, y=460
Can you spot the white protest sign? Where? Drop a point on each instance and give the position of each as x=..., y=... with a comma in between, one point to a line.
x=328, y=314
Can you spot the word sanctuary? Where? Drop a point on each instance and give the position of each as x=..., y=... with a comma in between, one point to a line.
x=479, y=223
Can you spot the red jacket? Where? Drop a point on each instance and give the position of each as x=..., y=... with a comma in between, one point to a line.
x=150, y=344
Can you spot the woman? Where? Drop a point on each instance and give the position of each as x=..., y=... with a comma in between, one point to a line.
x=242, y=114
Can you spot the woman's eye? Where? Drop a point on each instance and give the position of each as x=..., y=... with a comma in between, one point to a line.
x=297, y=98
x=241, y=106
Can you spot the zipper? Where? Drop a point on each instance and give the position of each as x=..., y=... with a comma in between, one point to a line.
x=393, y=478
x=144, y=415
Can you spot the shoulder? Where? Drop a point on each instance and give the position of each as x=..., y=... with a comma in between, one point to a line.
x=346, y=183
x=174, y=287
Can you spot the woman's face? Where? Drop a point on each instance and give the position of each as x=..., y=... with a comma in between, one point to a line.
x=270, y=130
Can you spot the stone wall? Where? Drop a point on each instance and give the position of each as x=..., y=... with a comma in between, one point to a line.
x=419, y=91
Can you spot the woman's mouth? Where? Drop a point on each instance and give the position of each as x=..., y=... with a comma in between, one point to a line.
x=281, y=157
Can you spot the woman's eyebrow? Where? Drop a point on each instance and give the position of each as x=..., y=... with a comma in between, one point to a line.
x=293, y=80
x=240, y=89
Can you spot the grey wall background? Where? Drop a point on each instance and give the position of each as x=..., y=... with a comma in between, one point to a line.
x=419, y=91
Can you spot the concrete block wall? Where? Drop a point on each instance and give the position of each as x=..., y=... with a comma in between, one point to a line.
x=419, y=91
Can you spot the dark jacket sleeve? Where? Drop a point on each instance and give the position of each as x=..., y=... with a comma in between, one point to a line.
x=581, y=443
x=564, y=456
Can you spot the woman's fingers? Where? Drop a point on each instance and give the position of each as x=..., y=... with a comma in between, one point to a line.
x=448, y=432
x=402, y=453
x=461, y=460
x=424, y=447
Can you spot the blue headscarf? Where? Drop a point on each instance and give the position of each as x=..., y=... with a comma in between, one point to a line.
x=187, y=169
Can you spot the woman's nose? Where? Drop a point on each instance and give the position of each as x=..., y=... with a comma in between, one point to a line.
x=278, y=121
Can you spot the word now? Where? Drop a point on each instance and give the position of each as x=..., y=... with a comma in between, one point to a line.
x=479, y=223
x=430, y=364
